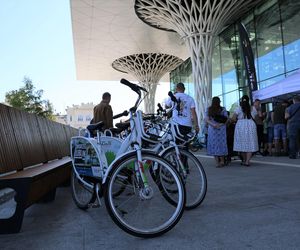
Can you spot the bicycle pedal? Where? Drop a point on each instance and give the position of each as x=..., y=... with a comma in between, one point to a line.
x=94, y=205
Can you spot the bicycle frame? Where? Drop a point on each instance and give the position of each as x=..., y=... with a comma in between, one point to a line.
x=133, y=140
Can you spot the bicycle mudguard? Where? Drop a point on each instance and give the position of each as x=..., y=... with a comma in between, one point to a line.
x=169, y=148
x=110, y=146
x=85, y=156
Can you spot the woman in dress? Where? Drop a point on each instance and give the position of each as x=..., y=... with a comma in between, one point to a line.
x=245, y=135
x=216, y=140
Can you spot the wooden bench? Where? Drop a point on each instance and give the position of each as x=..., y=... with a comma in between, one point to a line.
x=32, y=185
x=34, y=160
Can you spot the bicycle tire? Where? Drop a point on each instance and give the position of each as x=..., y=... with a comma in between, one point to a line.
x=195, y=179
x=82, y=195
x=147, y=216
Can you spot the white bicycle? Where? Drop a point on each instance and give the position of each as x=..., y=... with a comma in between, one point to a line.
x=189, y=167
x=134, y=199
x=162, y=136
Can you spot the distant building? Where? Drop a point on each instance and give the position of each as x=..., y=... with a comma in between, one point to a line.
x=61, y=119
x=79, y=116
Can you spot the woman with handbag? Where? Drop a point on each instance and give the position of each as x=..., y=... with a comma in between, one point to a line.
x=216, y=118
x=245, y=134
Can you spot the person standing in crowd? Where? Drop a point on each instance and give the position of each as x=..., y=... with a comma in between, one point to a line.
x=269, y=127
x=245, y=134
x=185, y=116
x=103, y=112
x=279, y=122
x=216, y=140
x=293, y=115
x=258, y=118
x=230, y=135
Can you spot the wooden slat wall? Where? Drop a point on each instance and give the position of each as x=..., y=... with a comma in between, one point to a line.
x=9, y=154
x=60, y=138
x=73, y=131
x=48, y=138
x=27, y=139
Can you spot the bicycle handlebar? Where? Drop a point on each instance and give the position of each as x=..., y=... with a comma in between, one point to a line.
x=173, y=98
x=134, y=87
x=160, y=107
x=125, y=113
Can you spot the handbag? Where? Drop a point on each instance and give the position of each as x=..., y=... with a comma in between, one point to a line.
x=220, y=118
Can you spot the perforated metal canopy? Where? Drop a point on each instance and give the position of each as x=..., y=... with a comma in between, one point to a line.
x=104, y=31
x=148, y=69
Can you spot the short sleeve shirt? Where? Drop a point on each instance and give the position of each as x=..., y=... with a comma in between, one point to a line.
x=294, y=108
x=184, y=115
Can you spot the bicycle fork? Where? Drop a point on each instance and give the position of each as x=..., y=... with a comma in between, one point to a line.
x=146, y=191
x=182, y=168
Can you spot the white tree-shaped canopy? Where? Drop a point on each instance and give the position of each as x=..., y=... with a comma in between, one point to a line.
x=198, y=23
x=148, y=69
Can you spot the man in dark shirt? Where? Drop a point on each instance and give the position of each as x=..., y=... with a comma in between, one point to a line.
x=293, y=115
x=259, y=123
x=279, y=123
x=103, y=112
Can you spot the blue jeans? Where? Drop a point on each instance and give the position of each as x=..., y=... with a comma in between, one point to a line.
x=294, y=133
x=279, y=131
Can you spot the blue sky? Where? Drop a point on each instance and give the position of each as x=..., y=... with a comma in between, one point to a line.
x=36, y=41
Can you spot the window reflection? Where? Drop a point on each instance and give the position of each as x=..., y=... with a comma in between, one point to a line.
x=269, y=42
x=216, y=72
x=217, y=86
x=231, y=100
x=228, y=49
x=291, y=33
x=270, y=81
x=275, y=40
x=183, y=73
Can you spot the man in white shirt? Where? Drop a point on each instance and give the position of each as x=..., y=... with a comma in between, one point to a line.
x=185, y=115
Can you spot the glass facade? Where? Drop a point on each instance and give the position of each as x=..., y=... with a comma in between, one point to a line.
x=275, y=40
x=183, y=73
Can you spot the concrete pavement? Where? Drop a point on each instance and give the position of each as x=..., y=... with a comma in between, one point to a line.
x=255, y=207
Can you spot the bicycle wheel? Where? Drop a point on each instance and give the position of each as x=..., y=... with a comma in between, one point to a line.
x=138, y=210
x=124, y=178
x=82, y=194
x=195, y=178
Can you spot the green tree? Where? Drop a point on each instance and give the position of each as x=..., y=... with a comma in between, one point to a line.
x=28, y=99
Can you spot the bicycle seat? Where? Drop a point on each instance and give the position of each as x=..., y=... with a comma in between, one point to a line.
x=116, y=130
x=123, y=125
x=190, y=136
x=95, y=126
x=184, y=137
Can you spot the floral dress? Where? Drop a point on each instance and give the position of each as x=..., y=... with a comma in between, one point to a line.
x=216, y=139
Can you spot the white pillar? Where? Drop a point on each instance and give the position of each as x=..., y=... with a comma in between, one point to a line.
x=148, y=69
x=197, y=22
